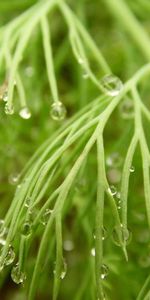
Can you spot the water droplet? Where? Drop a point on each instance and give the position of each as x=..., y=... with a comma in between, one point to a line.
x=64, y=270
x=112, y=190
x=26, y=228
x=93, y=251
x=104, y=234
x=125, y=235
x=13, y=178
x=104, y=271
x=127, y=109
x=85, y=74
x=25, y=113
x=112, y=85
x=58, y=111
x=10, y=256
x=5, y=96
x=132, y=169
x=80, y=60
x=27, y=202
x=68, y=245
x=9, y=109
x=114, y=160
x=17, y=276
x=46, y=215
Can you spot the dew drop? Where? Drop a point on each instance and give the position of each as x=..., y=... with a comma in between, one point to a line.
x=112, y=85
x=5, y=96
x=10, y=256
x=9, y=109
x=58, y=111
x=80, y=61
x=104, y=271
x=64, y=270
x=46, y=215
x=25, y=113
x=125, y=235
x=17, y=276
x=132, y=169
x=127, y=109
x=104, y=234
x=114, y=160
x=85, y=74
x=13, y=178
x=68, y=245
x=112, y=190
x=93, y=251
x=26, y=229
x=27, y=202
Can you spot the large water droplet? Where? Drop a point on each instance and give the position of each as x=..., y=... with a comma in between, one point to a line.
x=10, y=256
x=114, y=160
x=104, y=271
x=112, y=190
x=26, y=228
x=25, y=113
x=127, y=109
x=9, y=109
x=17, y=276
x=132, y=169
x=64, y=270
x=58, y=111
x=125, y=235
x=46, y=215
x=111, y=85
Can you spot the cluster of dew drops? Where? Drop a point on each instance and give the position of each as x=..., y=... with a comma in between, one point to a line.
x=112, y=86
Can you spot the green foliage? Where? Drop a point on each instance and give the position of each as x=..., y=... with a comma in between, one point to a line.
x=86, y=190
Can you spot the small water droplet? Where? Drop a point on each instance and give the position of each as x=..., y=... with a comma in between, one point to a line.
x=80, y=60
x=17, y=276
x=25, y=113
x=9, y=109
x=58, y=111
x=112, y=190
x=27, y=202
x=64, y=270
x=104, y=233
x=127, y=109
x=104, y=271
x=114, y=160
x=85, y=74
x=112, y=85
x=10, y=256
x=132, y=169
x=93, y=251
x=125, y=235
x=13, y=178
x=68, y=245
x=5, y=96
x=26, y=229
x=46, y=215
